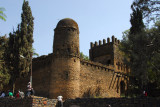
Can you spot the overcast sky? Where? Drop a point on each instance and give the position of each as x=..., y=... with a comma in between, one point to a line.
x=97, y=20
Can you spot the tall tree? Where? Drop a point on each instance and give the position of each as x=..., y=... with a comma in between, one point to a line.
x=4, y=75
x=20, y=44
x=154, y=55
x=2, y=15
x=26, y=37
x=134, y=48
x=12, y=57
x=150, y=8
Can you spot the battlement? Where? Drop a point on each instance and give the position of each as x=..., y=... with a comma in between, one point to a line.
x=96, y=44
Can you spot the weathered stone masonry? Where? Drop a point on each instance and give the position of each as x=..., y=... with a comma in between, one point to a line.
x=64, y=73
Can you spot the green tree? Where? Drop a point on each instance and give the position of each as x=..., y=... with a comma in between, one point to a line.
x=11, y=57
x=150, y=8
x=134, y=47
x=151, y=54
x=4, y=75
x=20, y=44
x=25, y=39
x=2, y=15
x=34, y=52
x=154, y=55
x=82, y=56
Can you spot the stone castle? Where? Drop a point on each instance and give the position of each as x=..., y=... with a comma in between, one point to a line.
x=64, y=73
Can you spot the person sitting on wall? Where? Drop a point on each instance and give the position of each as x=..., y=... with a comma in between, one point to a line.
x=17, y=95
x=145, y=94
x=10, y=94
x=29, y=88
x=2, y=94
x=21, y=94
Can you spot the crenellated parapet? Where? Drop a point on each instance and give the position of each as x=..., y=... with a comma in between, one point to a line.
x=104, y=51
x=100, y=43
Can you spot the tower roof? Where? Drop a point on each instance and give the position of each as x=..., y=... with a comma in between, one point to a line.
x=67, y=22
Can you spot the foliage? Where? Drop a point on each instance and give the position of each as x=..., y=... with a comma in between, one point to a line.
x=4, y=75
x=154, y=55
x=82, y=56
x=2, y=15
x=26, y=37
x=141, y=48
x=20, y=44
x=34, y=52
x=150, y=8
x=134, y=47
x=11, y=56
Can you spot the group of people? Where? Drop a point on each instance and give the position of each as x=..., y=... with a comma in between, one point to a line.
x=10, y=94
x=18, y=94
x=145, y=93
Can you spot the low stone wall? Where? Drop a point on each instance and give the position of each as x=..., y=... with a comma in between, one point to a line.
x=83, y=102
x=28, y=102
x=114, y=102
x=8, y=102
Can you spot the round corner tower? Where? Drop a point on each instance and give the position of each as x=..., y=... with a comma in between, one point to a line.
x=65, y=73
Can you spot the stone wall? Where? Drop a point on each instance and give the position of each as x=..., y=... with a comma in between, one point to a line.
x=28, y=102
x=97, y=80
x=83, y=102
x=40, y=76
x=114, y=102
x=65, y=78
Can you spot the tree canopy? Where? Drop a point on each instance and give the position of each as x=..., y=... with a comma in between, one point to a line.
x=20, y=44
x=141, y=48
x=150, y=8
x=82, y=56
x=4, y=75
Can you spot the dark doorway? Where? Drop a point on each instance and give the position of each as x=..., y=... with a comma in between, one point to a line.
x=108, y=62
x=122, y=88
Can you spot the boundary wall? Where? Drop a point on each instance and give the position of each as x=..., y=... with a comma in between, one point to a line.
x=28, y=102
x=114, y=102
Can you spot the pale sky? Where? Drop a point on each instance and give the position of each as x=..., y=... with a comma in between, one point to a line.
x=97, y=20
